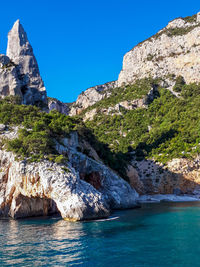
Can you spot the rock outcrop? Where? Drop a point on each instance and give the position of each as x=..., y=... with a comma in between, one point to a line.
x=173, y=50
x=178, y=176
x=19, y=72
x=84, y=189
x=91, y=96
x=44, y=188
x=55, y=104
x=10, y=82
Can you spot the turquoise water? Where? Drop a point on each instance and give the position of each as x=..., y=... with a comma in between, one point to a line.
x=155, y=235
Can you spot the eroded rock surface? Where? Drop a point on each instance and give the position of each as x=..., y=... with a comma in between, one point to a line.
x=117, y=192
x=20, y=52
x=55, y=104
x=173, y=50
x=10, y=82
x=91, y=96
x=84, y=189
x=19, y=71
x=178, y=176
x=44, y=188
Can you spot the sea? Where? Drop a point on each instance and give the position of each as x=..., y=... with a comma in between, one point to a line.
x=164, y=234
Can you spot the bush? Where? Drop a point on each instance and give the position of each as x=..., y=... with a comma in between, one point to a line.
x=180, y=82
x=174, y=132
x=60, y=159
x=36, y=140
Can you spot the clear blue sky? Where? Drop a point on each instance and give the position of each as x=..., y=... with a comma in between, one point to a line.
x=81, y=43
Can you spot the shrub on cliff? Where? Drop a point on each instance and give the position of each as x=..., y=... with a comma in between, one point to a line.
x=36, y=138
x=169, y=128
x=180, y=82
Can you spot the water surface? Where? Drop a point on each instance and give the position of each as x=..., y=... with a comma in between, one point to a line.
x=166, y=234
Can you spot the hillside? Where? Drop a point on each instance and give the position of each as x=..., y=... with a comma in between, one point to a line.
x=150, y=116
x=139, y=134
x=173, y=51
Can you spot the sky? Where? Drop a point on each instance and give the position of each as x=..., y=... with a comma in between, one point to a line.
x=81, y=43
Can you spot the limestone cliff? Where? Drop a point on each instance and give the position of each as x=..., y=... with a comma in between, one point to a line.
x=84, y=189
x=19, y=72
x=55, y=104
x=171, y=54
x=91, y=96
x=173, y=50
x=178, y=176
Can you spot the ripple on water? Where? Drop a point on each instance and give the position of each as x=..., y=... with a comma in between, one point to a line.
x=166, y=234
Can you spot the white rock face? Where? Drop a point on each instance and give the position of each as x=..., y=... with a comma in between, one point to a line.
x=21, y=54
x=43, y=188
x=198, y=17
x=10, y=84
x=86, y=190
x=164, y=54
x=116, y=190
x=91, y=96
x=174, y=50
x=54, y=104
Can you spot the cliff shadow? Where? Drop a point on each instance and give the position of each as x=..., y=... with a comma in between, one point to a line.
x=181, y=176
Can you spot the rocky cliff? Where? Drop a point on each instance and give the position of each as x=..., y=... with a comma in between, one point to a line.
x=19, y=72
x=55, y=104
x=91, y=96
x=83, y=189
x=174, y=51
x=150, y=113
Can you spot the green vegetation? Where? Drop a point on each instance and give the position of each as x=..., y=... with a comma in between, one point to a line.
x=179, y=31
x=39, y=133
x=179, y=84
x=169, y=128
x=150, y=57
x=130, y=92
x=116, y=160
x=191, y=19
x=175, y=31
x=9, y=65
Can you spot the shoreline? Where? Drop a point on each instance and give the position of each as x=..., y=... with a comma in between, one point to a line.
x=157, y=198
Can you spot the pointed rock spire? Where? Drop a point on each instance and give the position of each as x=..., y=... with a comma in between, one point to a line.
x=20, y=52
x=18, y=44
